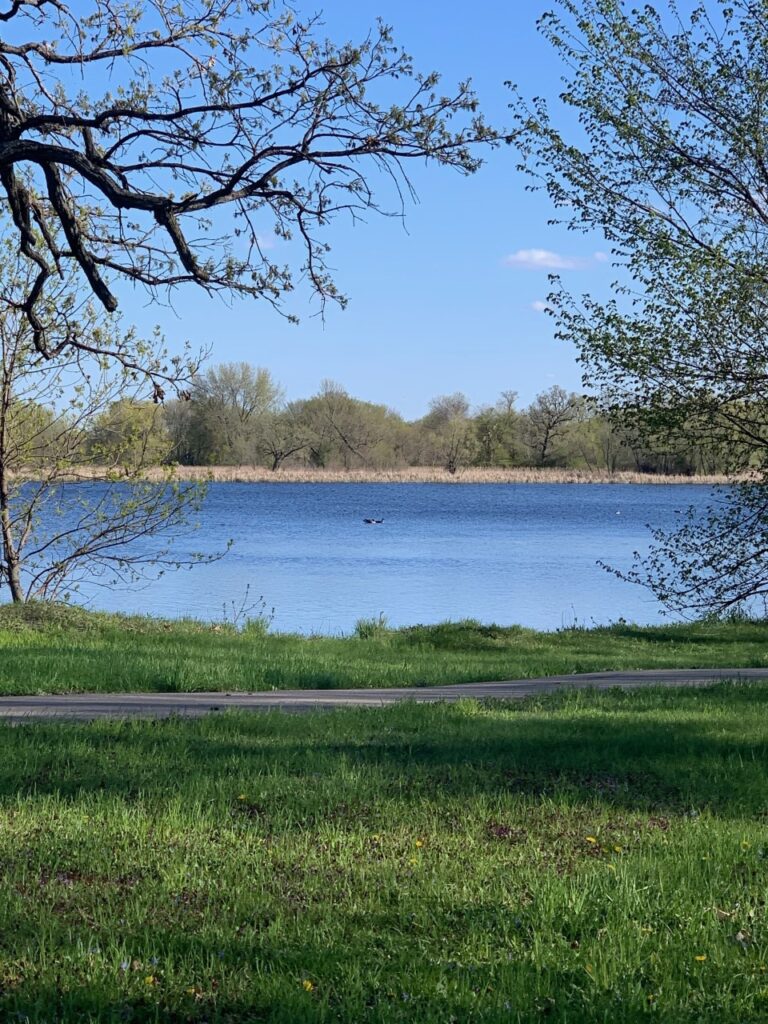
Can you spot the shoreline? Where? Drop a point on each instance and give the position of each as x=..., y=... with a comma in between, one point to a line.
x=407, y=475
x=414, y=475
x=64, y=649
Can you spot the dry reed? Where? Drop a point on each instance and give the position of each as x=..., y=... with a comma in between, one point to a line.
x=424, y=474
x=407, y=475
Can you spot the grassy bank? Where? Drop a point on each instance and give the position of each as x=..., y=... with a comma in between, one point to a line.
x=584, y=858
x=60, y=650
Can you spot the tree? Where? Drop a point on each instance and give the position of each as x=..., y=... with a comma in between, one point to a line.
x=64, y=515
x=449, y=429
x=285, y=433
x=158, y=144
x=229, y=405
x=716, y=558
x=346, y=431
x=546, y=422
x=600, y=442
x=670, y=166
x=496, y=432
x=189, y=441
x=129, y=434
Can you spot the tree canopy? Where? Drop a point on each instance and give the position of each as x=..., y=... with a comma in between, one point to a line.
x=669, y=162
x=161, y=143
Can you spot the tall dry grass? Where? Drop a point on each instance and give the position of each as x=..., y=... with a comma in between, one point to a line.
x=408, y=475
x=423, y=475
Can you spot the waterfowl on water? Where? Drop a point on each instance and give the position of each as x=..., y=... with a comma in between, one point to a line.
x=373, y=522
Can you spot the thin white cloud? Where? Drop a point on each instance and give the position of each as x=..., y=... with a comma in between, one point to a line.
x=539, y=306
x=542, y=259
x=545, y=259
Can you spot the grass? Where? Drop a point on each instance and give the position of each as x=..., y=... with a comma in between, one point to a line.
x=580, y=858
x=61, y=650
x=409, y=475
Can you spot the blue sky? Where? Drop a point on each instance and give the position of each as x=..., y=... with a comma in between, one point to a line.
x=450, y=301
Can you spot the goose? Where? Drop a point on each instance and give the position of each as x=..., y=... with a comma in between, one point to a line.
x=373, y=522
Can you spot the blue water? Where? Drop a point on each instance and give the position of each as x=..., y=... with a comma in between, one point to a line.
x=508, y=554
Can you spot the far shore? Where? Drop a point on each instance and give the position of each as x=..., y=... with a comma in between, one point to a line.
x=408, y=475
x=424, y=475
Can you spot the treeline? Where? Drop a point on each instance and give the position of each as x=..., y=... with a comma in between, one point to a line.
x=236, y=414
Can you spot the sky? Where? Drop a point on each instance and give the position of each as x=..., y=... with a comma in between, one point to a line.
x=452, y=299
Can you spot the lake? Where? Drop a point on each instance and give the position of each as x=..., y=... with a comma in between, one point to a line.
x=523, y=553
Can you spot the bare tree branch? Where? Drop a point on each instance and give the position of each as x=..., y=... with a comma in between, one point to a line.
x=222, y=121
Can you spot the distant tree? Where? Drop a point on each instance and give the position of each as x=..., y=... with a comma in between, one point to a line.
x=497, y=433
x=597, y=441
x=489, y=432
x=229, y=406
x=546, y=422
x=669, y=164
x=129, y=433
x=449, y=429
x=159, y=144
x=188, y=436
x=347, y=431
x=284, y=433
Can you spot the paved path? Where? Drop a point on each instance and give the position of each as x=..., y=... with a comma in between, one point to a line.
x=87, y=706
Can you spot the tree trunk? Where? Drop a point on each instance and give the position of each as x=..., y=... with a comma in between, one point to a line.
x=10, y=555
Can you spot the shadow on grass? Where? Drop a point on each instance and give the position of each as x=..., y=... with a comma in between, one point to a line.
x=696, y=634
x=651, y=751
x=467, y=635
x=660, y=751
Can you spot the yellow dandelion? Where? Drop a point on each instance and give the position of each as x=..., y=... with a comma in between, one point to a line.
x=241, y=797
x=192, y=991
x=150, y=980
x=413, y=861
x=591, y=839
x=700, y=958
x=617, y=849
x=418, y=844
x=308, y=985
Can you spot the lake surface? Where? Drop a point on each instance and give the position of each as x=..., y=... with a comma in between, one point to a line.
x=508, y=554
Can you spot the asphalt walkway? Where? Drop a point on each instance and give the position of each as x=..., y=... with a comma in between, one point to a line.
x=89, y=706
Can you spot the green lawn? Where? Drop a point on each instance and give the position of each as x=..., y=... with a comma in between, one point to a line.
x=580, y=858
x=59, y=650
